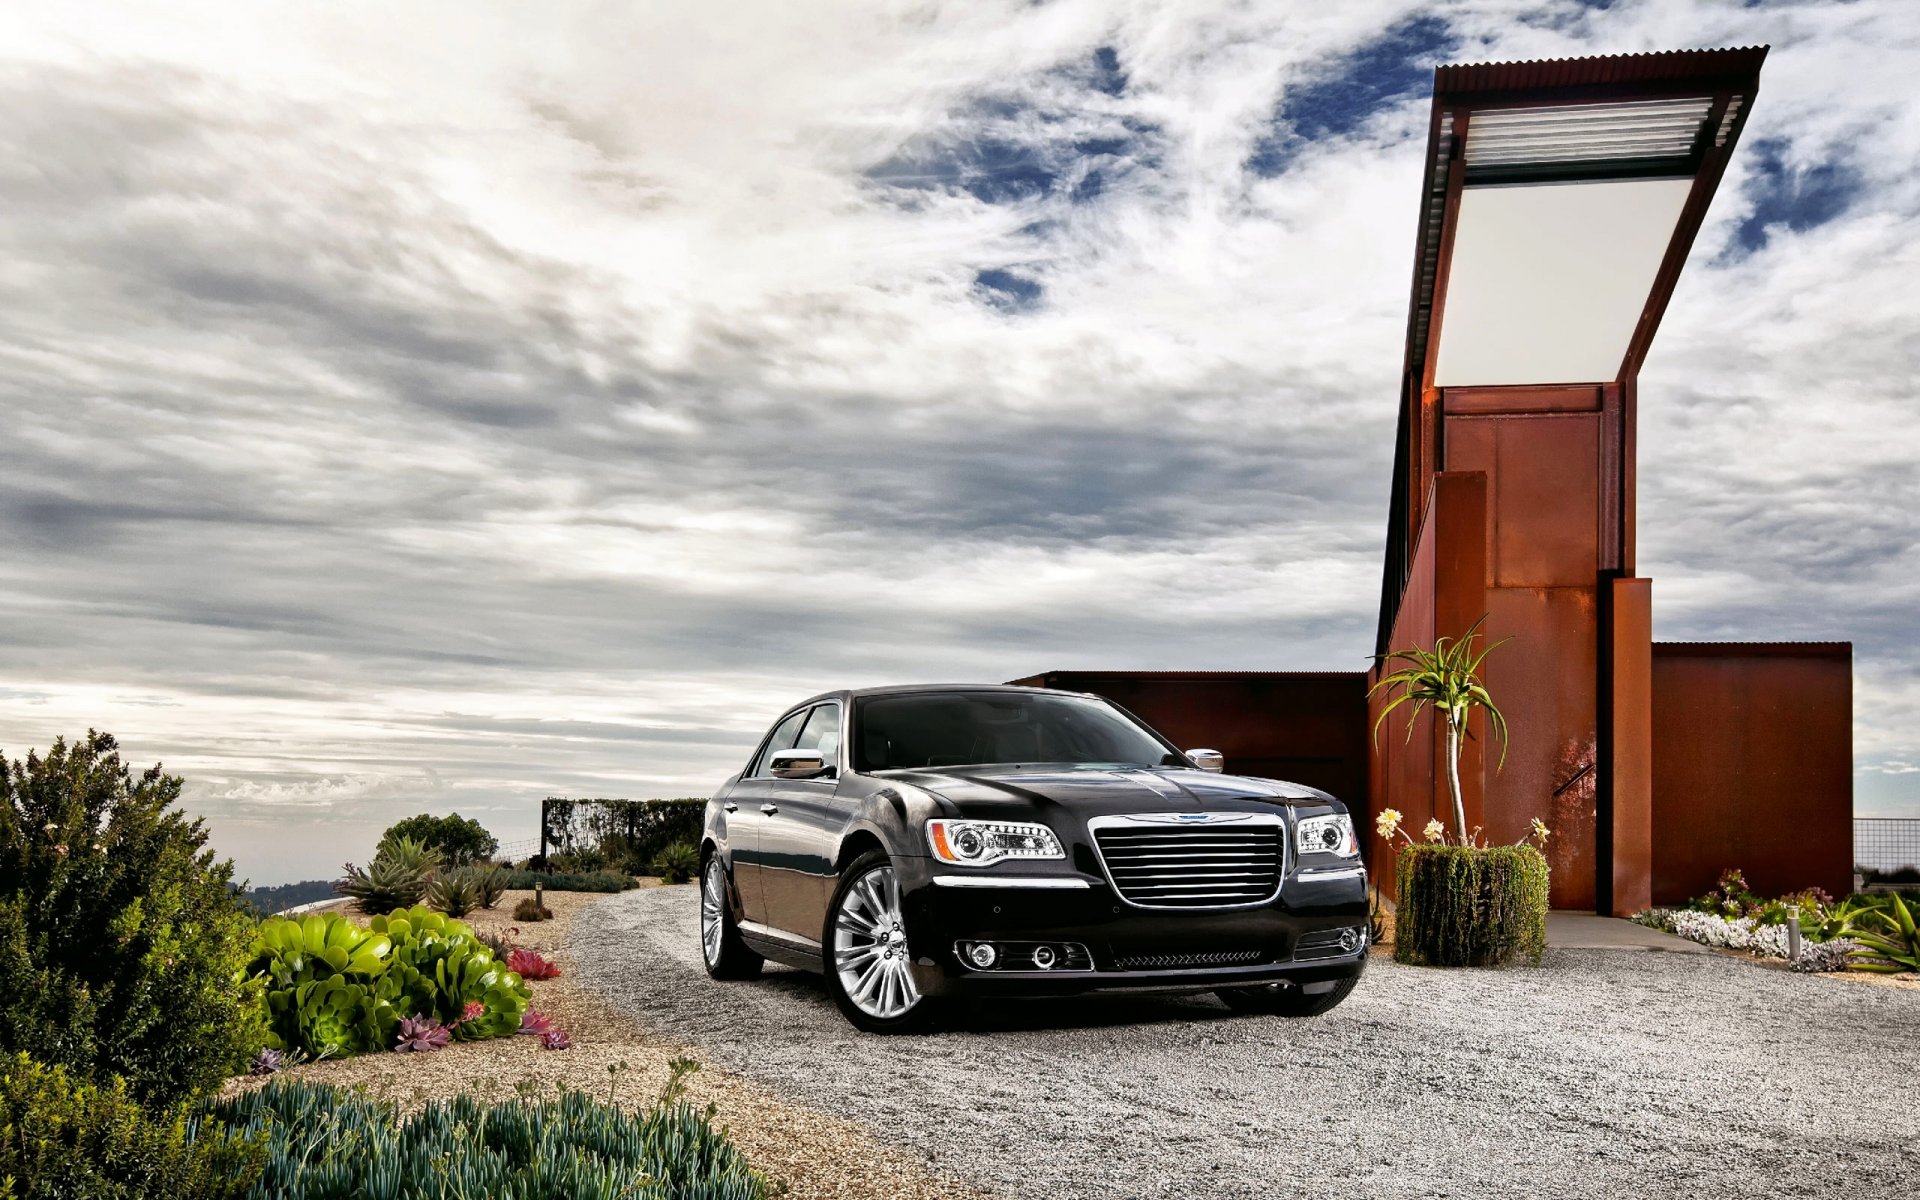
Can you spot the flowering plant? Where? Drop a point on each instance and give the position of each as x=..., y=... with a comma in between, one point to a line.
x=1388, y=823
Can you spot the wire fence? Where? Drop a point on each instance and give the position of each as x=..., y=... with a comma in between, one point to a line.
x=1887, y=849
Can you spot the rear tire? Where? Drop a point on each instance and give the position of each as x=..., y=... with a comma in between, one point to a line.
x=869, y=971
x=726, y=955
x=1286, y=1000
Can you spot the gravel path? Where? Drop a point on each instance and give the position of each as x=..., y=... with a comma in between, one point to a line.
x=1604, y=1073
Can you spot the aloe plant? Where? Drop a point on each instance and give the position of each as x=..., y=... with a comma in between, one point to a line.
x=1448, y=678
x=1886, y=938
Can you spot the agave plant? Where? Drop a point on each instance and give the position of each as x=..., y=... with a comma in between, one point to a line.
x=1886, y=938
x=418, y=1033
x=398, y=877
x=455, y=893
x=491, y=881
x=1448, y=678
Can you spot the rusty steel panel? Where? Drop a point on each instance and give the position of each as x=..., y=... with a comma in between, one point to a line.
x=1544, y=681
x=1626, y=739
x=1696, y=70
x=1752, y=766
x=1545, y=493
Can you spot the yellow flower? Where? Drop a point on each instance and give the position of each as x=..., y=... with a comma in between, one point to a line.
x=1435, y=831
x=1388, y=822
x=1540, y=830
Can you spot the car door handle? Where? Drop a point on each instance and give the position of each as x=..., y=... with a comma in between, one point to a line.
x=769, y=809
x=730, y=806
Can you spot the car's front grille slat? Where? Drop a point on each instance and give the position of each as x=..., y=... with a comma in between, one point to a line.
x=1155, y=862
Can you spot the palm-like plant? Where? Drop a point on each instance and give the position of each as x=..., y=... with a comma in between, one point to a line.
x=1448, y=678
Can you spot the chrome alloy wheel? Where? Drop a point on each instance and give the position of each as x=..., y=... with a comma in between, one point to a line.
x=870, y=947
x=713, y=906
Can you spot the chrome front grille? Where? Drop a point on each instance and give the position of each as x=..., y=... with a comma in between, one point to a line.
x=1192, y=860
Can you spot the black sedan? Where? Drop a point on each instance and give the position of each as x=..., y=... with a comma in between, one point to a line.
x=922, y=845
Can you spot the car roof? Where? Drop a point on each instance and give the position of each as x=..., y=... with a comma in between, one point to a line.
x=908, y=689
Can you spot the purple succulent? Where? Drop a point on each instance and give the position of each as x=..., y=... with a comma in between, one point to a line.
x=535, y=1023
x=554, y=1039
x=267, y=1062
x=421, y=1033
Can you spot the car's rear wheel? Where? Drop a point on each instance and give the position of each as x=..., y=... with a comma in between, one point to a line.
x=1287, y=1000
x=726, y=955
x=869, y=970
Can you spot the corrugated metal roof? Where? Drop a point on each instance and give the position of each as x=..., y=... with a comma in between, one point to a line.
x=1664, y=66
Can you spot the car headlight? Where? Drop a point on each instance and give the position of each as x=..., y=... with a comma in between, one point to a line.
x=981, y=843
x=1331, y=834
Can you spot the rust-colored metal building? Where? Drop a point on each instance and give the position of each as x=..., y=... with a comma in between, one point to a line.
x=1559, y=204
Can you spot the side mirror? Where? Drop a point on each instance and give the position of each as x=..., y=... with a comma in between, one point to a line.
x=1207, y=760
x=797, y=764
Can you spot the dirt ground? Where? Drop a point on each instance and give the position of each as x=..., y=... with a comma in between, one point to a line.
x=809, y=1154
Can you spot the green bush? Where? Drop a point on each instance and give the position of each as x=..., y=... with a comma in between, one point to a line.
x=327, y=1143
x=121, y=936
x=331, y=988
x=1465, y=906
x=402, y=870
x=679, y=862
x=70, y=1139
x=599, y=881
x=619, y=835
x=458, y=840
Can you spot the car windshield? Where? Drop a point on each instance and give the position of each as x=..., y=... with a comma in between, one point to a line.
x=951, y=729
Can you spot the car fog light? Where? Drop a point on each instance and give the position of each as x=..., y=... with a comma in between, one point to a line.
x=982, y=955
x=1043, y=957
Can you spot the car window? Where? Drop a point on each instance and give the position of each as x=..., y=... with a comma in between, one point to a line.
x=947, y=729
x=822, y=732
x=782, y=738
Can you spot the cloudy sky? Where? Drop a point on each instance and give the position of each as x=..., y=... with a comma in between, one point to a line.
x=426, y=407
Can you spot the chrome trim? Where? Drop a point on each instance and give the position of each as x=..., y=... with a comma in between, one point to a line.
x=1010, y=881
x=1330, y=872
x=1212, y=820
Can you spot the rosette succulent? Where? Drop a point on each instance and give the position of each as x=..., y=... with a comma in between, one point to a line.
x=418, y=1033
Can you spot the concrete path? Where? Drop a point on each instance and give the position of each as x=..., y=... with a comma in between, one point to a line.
x=1586, y=931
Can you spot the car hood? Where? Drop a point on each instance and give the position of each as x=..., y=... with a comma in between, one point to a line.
x=997, y=790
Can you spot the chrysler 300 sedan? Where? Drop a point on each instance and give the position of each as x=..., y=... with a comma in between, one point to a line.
x=922, y=845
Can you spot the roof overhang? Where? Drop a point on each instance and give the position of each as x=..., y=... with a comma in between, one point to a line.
x=1560, y=201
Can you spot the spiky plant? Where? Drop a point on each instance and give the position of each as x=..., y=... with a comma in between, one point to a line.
x=1448, y=678
x=397, y=878
x=1886, y=938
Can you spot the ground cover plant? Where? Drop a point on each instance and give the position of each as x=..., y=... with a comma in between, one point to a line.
x=122, y=939
x=1868, y=932
x=327, y=1143
x=597, y=881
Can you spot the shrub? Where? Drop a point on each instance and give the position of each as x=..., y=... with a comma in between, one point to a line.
x=458, y=840
x=530, y=909
x=121, y=936
x=398, y=877
x=599, y=881
x=333, y=988
x=67, y=1138
x=679, y=862
x=623, y=835
x=327, y=1143
x=1470, y=906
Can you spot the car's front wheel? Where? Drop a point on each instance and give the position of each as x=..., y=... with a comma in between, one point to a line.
x=726, y=955
x=1283, y=1000
x=869, y=971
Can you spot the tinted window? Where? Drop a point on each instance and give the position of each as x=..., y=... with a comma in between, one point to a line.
x=822, y=732
x=782, y=738
x=948, y=729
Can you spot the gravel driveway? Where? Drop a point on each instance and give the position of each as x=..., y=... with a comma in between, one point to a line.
x=1604, y=1073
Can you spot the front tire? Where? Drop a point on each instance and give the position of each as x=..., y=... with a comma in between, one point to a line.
x=1287, y=1001
x=869, y=970
x=726, y=955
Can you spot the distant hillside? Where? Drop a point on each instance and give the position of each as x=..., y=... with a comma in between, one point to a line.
x=269, y=900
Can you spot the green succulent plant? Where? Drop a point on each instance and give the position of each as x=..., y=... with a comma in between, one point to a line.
x=456, y=892
x=398, y=876
x=1888, y=940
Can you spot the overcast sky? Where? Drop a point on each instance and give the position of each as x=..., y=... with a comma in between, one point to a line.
x=425, y=407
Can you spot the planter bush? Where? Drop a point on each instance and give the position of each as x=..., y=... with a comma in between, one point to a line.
x=122, y=938
x=327, y=1143
x=1470, y=906
x=67, y=1138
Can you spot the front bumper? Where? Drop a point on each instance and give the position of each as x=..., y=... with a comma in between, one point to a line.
x=1132, y=949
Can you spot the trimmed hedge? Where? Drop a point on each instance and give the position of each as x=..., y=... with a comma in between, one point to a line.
x=599, y=881
x=66, y=1138
x=1465, y=906
x=328, y=1143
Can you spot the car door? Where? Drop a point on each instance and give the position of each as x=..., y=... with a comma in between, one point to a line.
x=802, y=833
x=747, y=808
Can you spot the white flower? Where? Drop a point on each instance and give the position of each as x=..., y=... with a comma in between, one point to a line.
x=1387, y=823
x=1435, y=831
